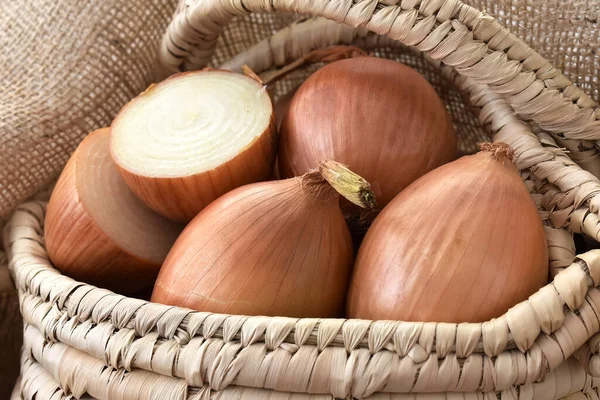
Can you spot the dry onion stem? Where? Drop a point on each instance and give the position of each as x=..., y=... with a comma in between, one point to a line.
x=464, y=243
x=327, y=55
x=194, y=137
x=97, y=231
x=271, y=248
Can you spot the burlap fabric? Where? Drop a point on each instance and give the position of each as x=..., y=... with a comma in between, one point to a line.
x=68, y=66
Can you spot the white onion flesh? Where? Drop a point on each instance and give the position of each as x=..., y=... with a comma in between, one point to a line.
x=191, y=124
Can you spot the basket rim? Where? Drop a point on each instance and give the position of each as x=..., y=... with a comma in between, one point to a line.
x=62, y=309
x=40, y=377
x=448, y=30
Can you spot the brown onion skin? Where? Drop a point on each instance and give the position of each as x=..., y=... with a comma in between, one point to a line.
x=182, y=198
x=81, y=250
x=282, y=106
x=379, y=117
x=270, y=248
x=464, y=243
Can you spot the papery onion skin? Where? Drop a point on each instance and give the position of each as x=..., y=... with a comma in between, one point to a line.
x=282, y=106
x=279, y=248
x=463, y=243
x=181, y=198
x=379, y=117
x=79, y=248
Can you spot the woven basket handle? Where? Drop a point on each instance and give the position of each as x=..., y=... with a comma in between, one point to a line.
x=458, y=35
x=452, y=40
x=295, y=42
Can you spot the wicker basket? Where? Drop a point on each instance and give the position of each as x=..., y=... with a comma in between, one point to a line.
x=84, y=341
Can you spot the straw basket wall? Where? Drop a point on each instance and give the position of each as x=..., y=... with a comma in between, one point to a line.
x=87, y=342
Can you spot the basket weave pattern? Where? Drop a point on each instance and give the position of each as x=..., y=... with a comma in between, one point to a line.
x=94, y=328
x=83, y=340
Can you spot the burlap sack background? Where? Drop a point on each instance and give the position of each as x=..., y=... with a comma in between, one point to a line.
x=67, y=67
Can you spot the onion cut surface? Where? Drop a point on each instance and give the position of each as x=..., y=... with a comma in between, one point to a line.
x=97, y=230
x=463, y=243
x=193, y=137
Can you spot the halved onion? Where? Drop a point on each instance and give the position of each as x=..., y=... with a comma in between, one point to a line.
x=97, y=230
x=194, y=137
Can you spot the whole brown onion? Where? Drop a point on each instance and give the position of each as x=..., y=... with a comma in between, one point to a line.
x=464, y=243
x=380, y=117
x=278, y=248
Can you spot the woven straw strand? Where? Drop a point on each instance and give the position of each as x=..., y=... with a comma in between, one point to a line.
x=47, y=375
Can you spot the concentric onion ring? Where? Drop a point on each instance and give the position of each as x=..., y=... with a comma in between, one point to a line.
x=195, y=136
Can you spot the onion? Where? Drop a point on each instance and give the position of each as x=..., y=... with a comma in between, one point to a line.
x=380, y=117
x=462, y=244
x=279, y=248
x=282, y=105
x=97, y=231
x=192, y=138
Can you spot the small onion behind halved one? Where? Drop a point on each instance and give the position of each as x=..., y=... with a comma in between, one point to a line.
x=282, y=106
x=463, y=243
x=192, y=138
x=97, y=230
